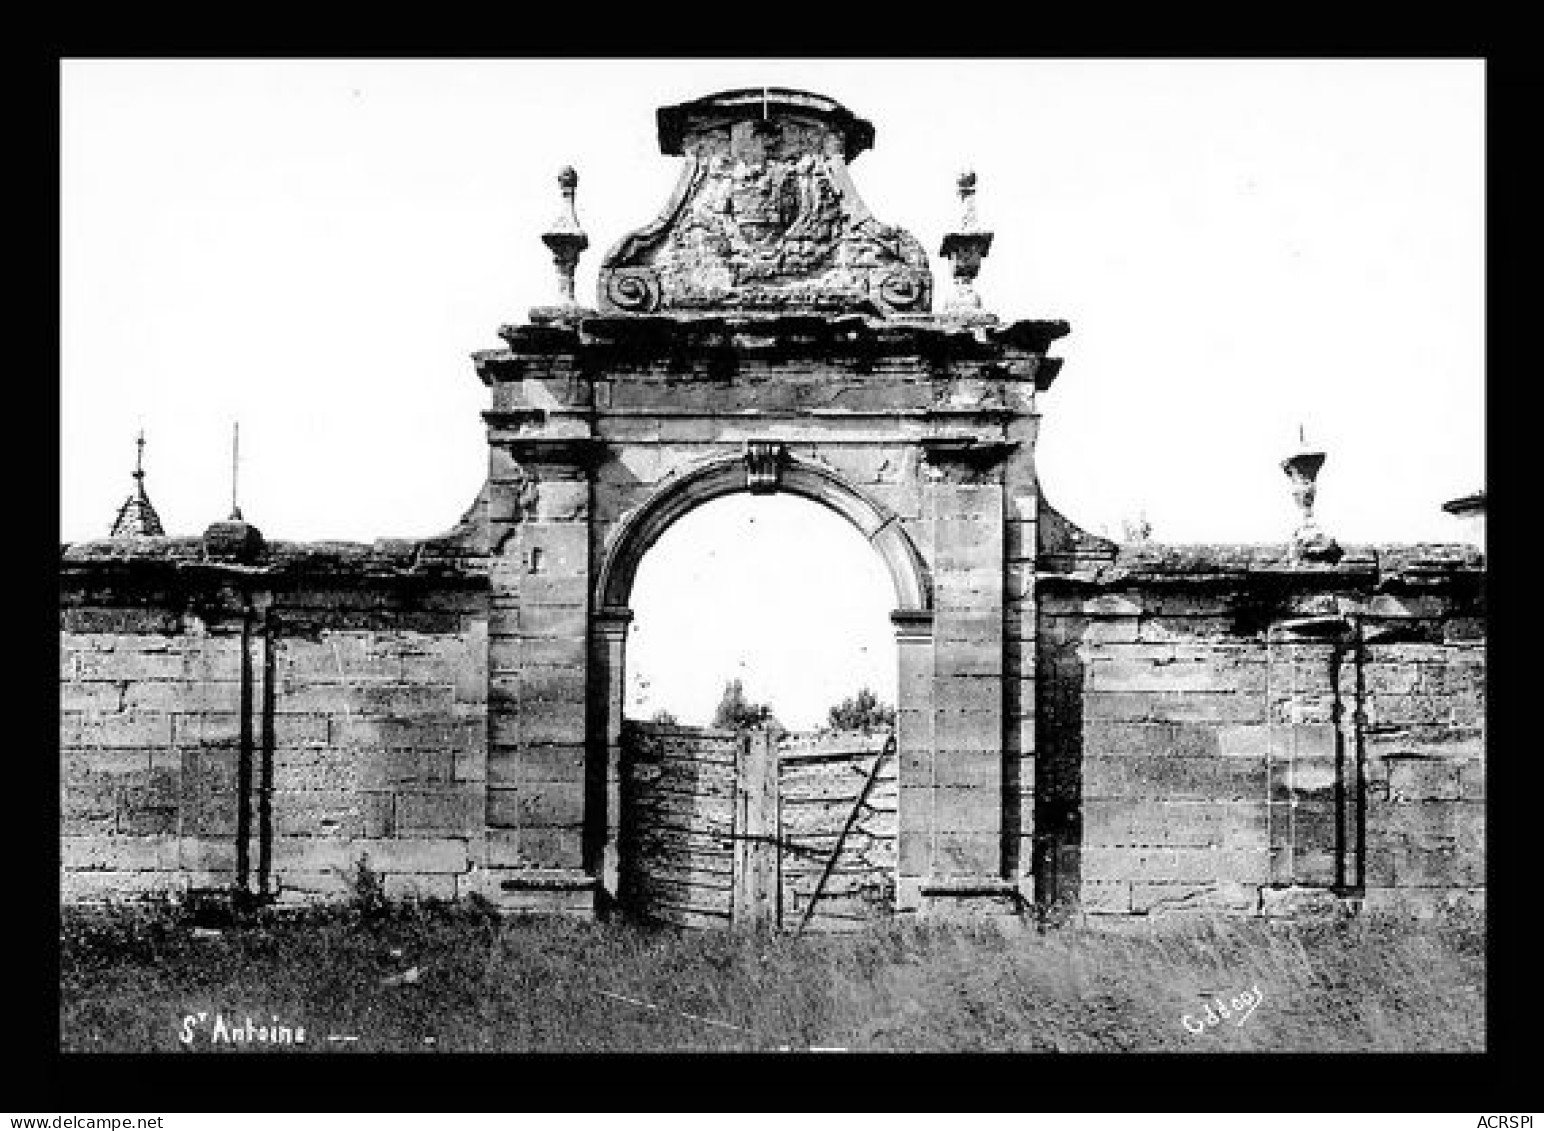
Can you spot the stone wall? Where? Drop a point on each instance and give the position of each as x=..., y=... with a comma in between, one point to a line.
x=268, y=724
x=1204, y=727
x=1224, y=727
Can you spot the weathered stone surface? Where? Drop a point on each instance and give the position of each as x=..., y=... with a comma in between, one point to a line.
x=1298, y=902
x=118, y=884
x=111, y=729
x=1175, y=823
x=398, y=856
x=1105, y=897
x=1423, y=779
x=765, y=217
x=131, y=853
x=169, y=693
x=521, y=762
x=439, y=812
x=1211, y=895
x=1400, y=708
x=1193, y=865
x=969, y=770
x=419, y=885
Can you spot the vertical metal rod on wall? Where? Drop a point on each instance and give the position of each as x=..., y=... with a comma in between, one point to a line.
x=1350, y=808
x=1359, y=726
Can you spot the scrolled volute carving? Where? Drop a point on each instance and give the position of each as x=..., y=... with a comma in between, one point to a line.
x=903, y=290
x=634, y=290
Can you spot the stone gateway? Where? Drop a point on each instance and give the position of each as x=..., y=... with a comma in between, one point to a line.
x=1124, y=729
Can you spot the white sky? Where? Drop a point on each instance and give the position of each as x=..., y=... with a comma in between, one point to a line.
x=314, y=248
x=775, y=590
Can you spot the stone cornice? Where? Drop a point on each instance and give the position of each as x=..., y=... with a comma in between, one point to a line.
x=782, y=336
x=573, y=451
x=513, y=420
x=760, y=102
x=973, y=450
x=1383, y=569
x=385, y=560
x=995, y=414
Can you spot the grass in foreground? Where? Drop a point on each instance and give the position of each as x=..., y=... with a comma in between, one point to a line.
x=130, y=978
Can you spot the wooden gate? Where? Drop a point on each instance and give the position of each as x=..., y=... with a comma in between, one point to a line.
x=721, y=828
x=837, y=794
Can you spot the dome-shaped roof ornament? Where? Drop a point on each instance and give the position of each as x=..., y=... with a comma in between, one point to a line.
x=235, y=539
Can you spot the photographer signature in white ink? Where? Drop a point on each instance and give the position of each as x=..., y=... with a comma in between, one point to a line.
x=1237, y=1009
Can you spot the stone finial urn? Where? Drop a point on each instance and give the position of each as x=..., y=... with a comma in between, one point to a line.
x=567, y=241
x=965, y=248
x=1302, y=468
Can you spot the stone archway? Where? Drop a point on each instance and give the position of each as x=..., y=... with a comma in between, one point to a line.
x=763, y=468
x=738, y=347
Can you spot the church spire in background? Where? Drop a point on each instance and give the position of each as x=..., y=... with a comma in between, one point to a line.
x=137, y=517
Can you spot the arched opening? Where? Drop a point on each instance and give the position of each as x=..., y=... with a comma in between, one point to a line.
x=688, y=490
x=692, y=594
x=772, y=591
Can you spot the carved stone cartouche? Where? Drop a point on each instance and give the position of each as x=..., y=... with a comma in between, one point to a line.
x=765, y=218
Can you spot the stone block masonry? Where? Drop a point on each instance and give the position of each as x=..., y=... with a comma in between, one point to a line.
x=605, y=429
x=272, y=728
x=1223, y=724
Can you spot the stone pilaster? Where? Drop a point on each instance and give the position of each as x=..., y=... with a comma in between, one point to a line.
x=608, y=657
x=963, y=506
x=914, y=720
x=538, y=672
x=1021, y=537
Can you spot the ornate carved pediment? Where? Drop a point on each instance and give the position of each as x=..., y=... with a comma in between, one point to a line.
x=765, y=217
